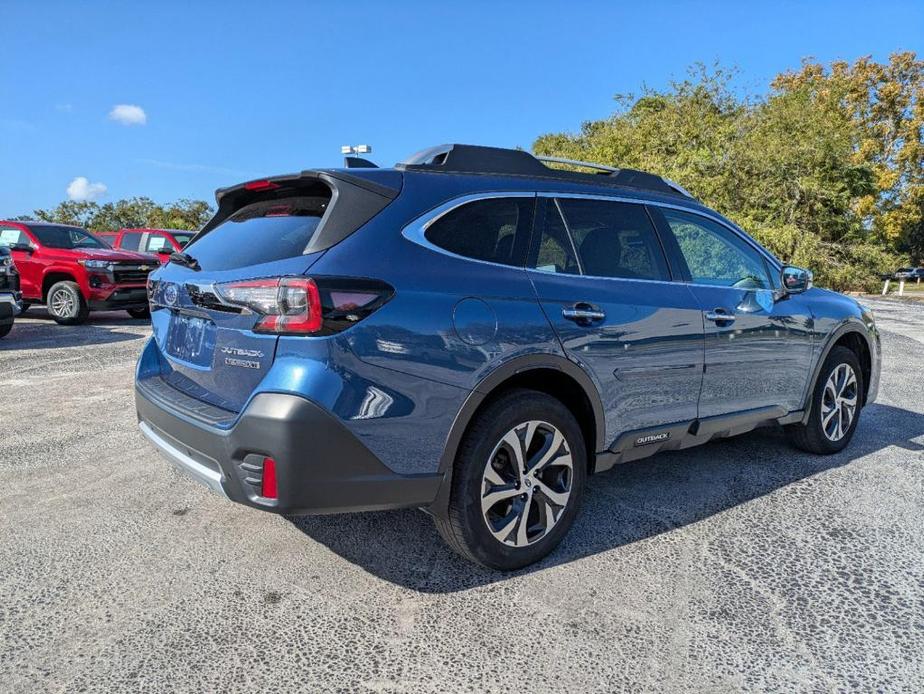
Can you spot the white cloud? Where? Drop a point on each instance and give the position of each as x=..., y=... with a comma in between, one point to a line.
x=81, y=189
x=128, y=114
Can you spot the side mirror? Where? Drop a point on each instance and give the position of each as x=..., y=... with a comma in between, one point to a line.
x=164, y=250
x=795, y=280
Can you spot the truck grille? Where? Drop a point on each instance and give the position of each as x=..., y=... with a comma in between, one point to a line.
x=132, y=274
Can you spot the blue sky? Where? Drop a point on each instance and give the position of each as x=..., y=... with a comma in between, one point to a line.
x=235, y=90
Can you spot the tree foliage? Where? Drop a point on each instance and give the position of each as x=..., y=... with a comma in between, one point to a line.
x=138, y=212
x=827, y=169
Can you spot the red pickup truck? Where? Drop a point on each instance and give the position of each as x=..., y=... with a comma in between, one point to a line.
x=73, y=272
x=159, y=241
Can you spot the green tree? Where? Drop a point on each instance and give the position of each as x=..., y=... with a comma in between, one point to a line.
x=826, y=169
x=138, y=212
x=70, y=212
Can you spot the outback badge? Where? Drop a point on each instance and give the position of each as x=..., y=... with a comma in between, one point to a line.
x=652, y=438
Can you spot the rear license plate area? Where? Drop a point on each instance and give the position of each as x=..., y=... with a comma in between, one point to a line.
x=191, y=339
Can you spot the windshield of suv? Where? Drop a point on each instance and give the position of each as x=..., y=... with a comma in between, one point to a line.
x=65, y=237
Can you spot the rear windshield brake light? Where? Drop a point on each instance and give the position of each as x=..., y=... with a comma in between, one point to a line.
x=260, y=185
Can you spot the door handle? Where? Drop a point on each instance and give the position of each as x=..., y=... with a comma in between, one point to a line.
x=583, y=313
x=720, y=315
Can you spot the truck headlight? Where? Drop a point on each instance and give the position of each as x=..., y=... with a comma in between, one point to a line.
x=95, y=264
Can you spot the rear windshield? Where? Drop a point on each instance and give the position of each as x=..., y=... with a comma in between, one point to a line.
x=260, y=233
x=65, y=237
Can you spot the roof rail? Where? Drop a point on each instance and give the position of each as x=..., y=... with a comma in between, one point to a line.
x=676, y=186
x=476, y=159
x=575, y=162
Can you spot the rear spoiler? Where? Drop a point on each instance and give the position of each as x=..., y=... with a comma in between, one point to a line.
x=354, y=199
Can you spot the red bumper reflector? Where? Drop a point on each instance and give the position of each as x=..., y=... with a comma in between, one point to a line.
x=268, y=490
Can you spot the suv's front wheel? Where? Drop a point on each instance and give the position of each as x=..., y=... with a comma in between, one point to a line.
x=517, y=481
x=835, y=407
x=66, y=304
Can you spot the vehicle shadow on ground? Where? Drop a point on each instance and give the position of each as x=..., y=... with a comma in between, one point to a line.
x=630, y=503
x=35, y=329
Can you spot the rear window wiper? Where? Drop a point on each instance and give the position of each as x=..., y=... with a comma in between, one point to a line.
x=185, y=259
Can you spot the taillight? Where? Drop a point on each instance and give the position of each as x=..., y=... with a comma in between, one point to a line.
x=305, y=306
x=286, y=305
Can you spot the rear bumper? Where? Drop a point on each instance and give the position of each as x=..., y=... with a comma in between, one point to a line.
x=320, y=466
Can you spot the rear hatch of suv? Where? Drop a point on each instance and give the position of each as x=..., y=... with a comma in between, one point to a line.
x=219, y=307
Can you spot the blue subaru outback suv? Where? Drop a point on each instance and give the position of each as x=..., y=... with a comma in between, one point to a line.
x=473, y=332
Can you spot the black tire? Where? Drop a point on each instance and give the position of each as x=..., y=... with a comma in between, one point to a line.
x=5, y=330
x=66, y=304
x=812, y=437
x=139, y=313
x=465, y=526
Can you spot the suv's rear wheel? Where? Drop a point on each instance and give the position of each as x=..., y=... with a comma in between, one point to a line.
x=66, y=304
x=517, y=481
x=835, y=408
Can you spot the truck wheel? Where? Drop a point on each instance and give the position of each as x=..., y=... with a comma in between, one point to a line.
x=66, y=304
x=517, y=481
x=139, y=312
x=5, y=330
x=835, y=407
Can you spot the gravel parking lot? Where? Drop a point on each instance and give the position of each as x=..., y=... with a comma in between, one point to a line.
x=742, y=564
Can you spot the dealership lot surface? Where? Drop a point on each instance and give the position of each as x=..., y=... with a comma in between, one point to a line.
x=742, y=564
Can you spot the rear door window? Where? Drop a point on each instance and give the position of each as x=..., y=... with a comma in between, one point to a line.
x=614, y=239
x=556, y=251
x=495, y=230
x=130, y=241
x=262, y=232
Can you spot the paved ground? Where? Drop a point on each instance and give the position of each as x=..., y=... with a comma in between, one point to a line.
x=739, y=565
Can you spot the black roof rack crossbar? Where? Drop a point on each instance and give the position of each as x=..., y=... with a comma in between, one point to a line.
x=496, y=160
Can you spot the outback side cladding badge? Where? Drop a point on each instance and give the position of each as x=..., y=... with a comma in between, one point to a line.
x=237, y=353
x=652, y=438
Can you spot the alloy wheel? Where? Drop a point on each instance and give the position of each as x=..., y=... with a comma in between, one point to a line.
x=526, y=483
x=63, y=304
x=839, y=402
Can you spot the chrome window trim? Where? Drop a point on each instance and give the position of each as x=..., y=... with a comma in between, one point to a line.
x=673, y=283
x=564, y=221
x=416, y=229
x=682, y=208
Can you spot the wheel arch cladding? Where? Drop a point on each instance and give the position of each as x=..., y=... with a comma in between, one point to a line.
x=855, y=342
x=52, y=278
x=852, y=336
x=555, y=376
